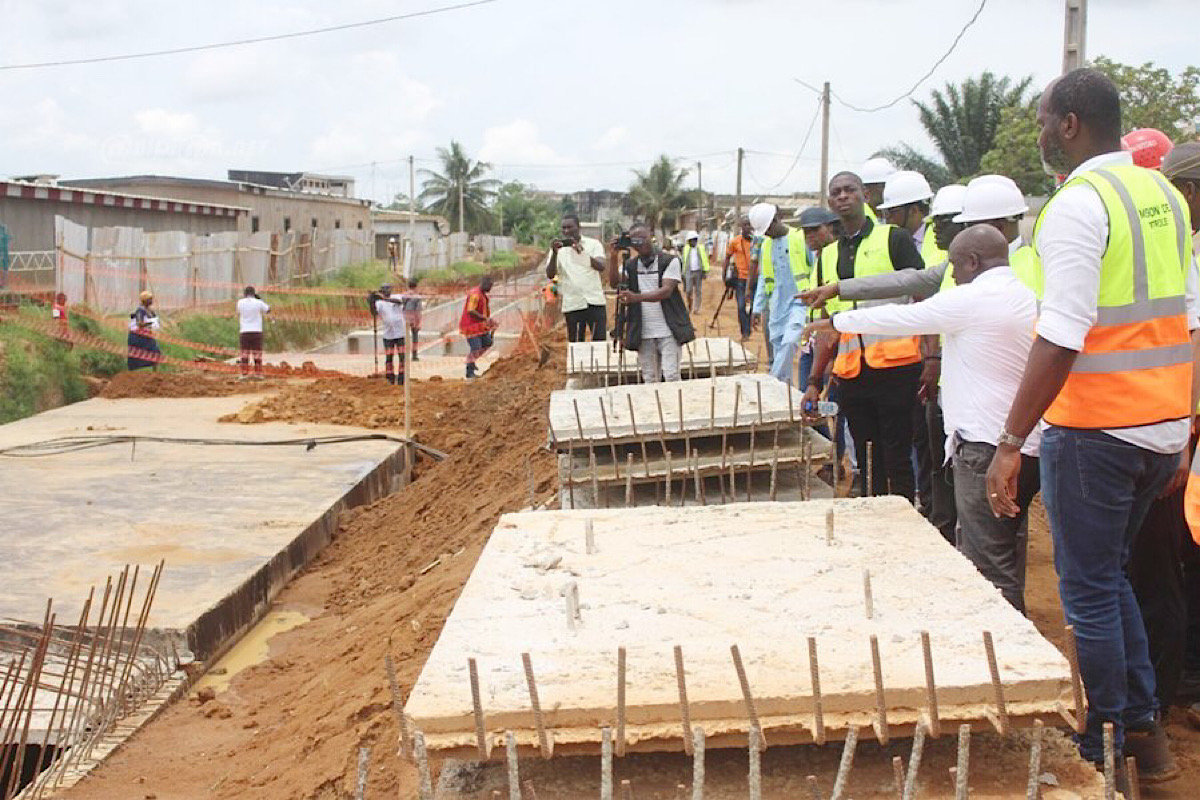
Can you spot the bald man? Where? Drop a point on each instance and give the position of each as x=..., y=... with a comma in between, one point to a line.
x=987, y=322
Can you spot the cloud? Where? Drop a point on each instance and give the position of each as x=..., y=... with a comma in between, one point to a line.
x=517, y=142
x=161, y=122
x=612, y=138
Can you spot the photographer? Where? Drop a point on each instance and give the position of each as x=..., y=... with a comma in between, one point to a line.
x=250, y=310
x=390, y=311
x=657, y=321
x=578, y=262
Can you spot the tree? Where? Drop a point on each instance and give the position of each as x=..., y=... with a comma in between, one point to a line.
x=1016, y=153
x=399, y=202
x=440, y=191
x=657, y=194
x=962, y=122
x=1151, y=98
x=528, y=217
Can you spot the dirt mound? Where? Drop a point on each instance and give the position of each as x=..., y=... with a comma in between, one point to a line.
x=146, y=383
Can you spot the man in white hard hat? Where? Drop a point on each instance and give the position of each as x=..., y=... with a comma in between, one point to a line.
x=393, y=251
x=695, y=269
x=783, y=267
x=874, y=173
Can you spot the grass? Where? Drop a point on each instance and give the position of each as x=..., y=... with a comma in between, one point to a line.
x=36, y=373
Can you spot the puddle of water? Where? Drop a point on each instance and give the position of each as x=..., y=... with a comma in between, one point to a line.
x=251, y=649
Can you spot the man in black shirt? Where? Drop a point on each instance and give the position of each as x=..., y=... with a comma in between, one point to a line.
x=876, y=377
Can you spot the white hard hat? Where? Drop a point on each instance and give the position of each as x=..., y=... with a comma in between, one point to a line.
x=392, y=239
x=761, y=216
x=876, y=170
x=905, y=187
x=991, y=197
x=689, y=235
x=948, y=200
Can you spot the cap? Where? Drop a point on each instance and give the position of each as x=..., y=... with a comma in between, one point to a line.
x=948, y=200
x=816, y=216
x=991, y=197
x=876, y=170
x=761, y=216
x=1149, y=146
x=1183, y=162
x=904, y=187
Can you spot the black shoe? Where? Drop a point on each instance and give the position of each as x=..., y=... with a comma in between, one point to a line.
x=400, y=379
x=391, y=379
x=1150, y=748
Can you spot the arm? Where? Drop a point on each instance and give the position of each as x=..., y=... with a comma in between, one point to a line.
x=552, y=261
x=760, y=292
x=661, y=293
x=614, y=266
x=946, y=312
x=919, y=283
x=596, y=255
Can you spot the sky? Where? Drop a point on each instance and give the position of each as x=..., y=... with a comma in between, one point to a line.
x=565, y=95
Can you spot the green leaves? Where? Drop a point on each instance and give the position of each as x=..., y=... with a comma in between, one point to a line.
x=657, y=194
x=440, y=191
x=1152, y=98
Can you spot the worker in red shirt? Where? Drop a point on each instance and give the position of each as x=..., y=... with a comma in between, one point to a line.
x=476, y=324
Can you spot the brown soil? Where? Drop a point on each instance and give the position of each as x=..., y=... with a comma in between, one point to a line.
x=291, y=727
x=148, y=383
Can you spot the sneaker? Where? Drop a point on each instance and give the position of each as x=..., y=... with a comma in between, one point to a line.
x=1151, y=749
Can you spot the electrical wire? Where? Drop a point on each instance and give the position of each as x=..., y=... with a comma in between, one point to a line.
x=800, y=152
x=239, y=42
x=915, y=86
x=75, y=444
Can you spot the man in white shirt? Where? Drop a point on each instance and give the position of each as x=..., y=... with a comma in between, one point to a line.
x=987, y=322
x=579, y=263
x=250, y=311
x=1111, y=373
x=391, y=313
x=695, y=269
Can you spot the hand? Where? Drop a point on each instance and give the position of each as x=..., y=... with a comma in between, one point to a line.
x=817, y=298
x=555, y=244
x=626, y=296
x=811, y=396
x=1002, y=477
x=816, y=327
x=927, y=387
x=1180, y=477
x=755, y=321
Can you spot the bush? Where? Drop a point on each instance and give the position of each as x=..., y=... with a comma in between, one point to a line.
x=36, y=373
x=505, y=260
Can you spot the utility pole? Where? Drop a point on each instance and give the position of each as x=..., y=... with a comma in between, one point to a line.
x=409, y=266
x=700, y=185
x=461, y=224
x=1075, y=35
x=737, y=200
x=825, y=143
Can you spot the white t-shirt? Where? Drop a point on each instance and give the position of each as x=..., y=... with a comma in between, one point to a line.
x=654, y=324
x=392, y=317
x=579, y=285
x=250, y=314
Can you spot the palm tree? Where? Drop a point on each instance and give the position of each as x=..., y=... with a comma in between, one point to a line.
x=962, y=122
x=657, y=194
x=460, y=192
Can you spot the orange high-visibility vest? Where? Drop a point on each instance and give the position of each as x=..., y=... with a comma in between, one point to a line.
x=1136, y=364
x=1191, y=498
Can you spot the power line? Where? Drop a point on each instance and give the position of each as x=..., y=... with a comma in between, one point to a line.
x=922, y=79
x=800, y=152
x=240, y=42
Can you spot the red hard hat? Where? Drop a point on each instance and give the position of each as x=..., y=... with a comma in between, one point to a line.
x=1149, y=146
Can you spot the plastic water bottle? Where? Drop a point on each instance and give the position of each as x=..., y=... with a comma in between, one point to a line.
x=821, y=408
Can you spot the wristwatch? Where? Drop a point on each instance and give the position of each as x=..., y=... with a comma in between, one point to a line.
x=1010, y=439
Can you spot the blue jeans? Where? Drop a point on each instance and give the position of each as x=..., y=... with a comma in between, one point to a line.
x=1097, y=490
x=739, y=294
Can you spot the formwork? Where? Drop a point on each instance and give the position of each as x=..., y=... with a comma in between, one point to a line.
x=800, y=621
x=715, y=440
x=593, y=364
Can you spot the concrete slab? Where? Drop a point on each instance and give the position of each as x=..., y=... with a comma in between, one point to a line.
x=723, y=404
x=598, y=362
x=233, y=522
x=758, y=575
x=789, y=487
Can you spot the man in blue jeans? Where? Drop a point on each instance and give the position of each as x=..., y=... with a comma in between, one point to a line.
x=743, y=252
x=1111, y=373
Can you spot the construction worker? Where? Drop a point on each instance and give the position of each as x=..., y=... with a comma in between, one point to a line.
x=412, y=314
x=874, y=173
x=390, y=311
x=579, y=262
x=820, y=227
x=987, y=321
x=695, y=270
x=743, y=251
x=250, y=310
x=657, y=324
x=142, y=344
x=877, y=376
x=477, y=325
x=393, y=251
x=1148, y=146
x=784, y=264
x=1110, y=373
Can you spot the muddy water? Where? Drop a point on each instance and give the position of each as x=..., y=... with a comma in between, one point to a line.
x=251, y=649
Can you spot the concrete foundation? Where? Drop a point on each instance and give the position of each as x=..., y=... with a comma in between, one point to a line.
x=598, y=364
x=762, y=576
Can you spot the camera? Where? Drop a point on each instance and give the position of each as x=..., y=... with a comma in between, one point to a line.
x=566, y=242
x=624, y=242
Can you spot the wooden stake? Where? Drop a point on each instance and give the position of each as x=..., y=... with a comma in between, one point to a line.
x=868, y=601
x=670, y=475
x=721, y=474
x=397, y=705
x=1000, y=718
x=529, y=476
x=870, y=468
x=543, y=735
x=1131, y=775
x=815, y=673
x=360, y=786
x=685, y=714
x=621, y=701
x=697, y=763
x=914, y=763
x=806, y=444
x=595, y=478
x=691, y=361
x=881, y=723
x=1035, y=761
x=696, y=475
x=931, y=701
x=571, y=616
x=737, y=396
x=964, y=762
x=570, y=477
x=750, y=469
x=791, y=408
x=774, y=466
x=530, y=792
x=732, y=474
x=712, y=407
x=612, y=446
x=846, y=764
x=813, y=788
x=1077, y=721
x=606, y=764
x=662, y=422
x=712, y=368
x=425, y=777
x=589, y=537
x=829, y=525
x=628, y=480
x=579, y=419
x=681, y=425
x=758, y=389
x=1110, y=765
x=514, y=773
x=747, y=697
x=755, y=777
x=626, y=790
x=481, y=742
x=898, y=776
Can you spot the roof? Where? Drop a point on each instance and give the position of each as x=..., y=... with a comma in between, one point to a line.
x=67, y=194
x=208, y=183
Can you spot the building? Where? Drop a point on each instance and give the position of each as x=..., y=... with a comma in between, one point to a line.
x=402, y=225
x=336, y=185
x=271, y=208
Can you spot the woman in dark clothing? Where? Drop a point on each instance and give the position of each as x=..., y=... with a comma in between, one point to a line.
x=143, y=347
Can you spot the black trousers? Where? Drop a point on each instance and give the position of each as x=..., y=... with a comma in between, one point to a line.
x=924, y=460
x=592, y=319
x=878, y=406
x=943, y=513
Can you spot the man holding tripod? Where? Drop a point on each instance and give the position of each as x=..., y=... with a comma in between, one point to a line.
x=578, y=262
x=657, y=322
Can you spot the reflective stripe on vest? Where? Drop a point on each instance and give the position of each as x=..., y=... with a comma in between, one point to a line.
x=931, y=254
x=687, y=250
x=882, y=352
x=797, y=256
x=1136, y=366
x=1025, y=265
